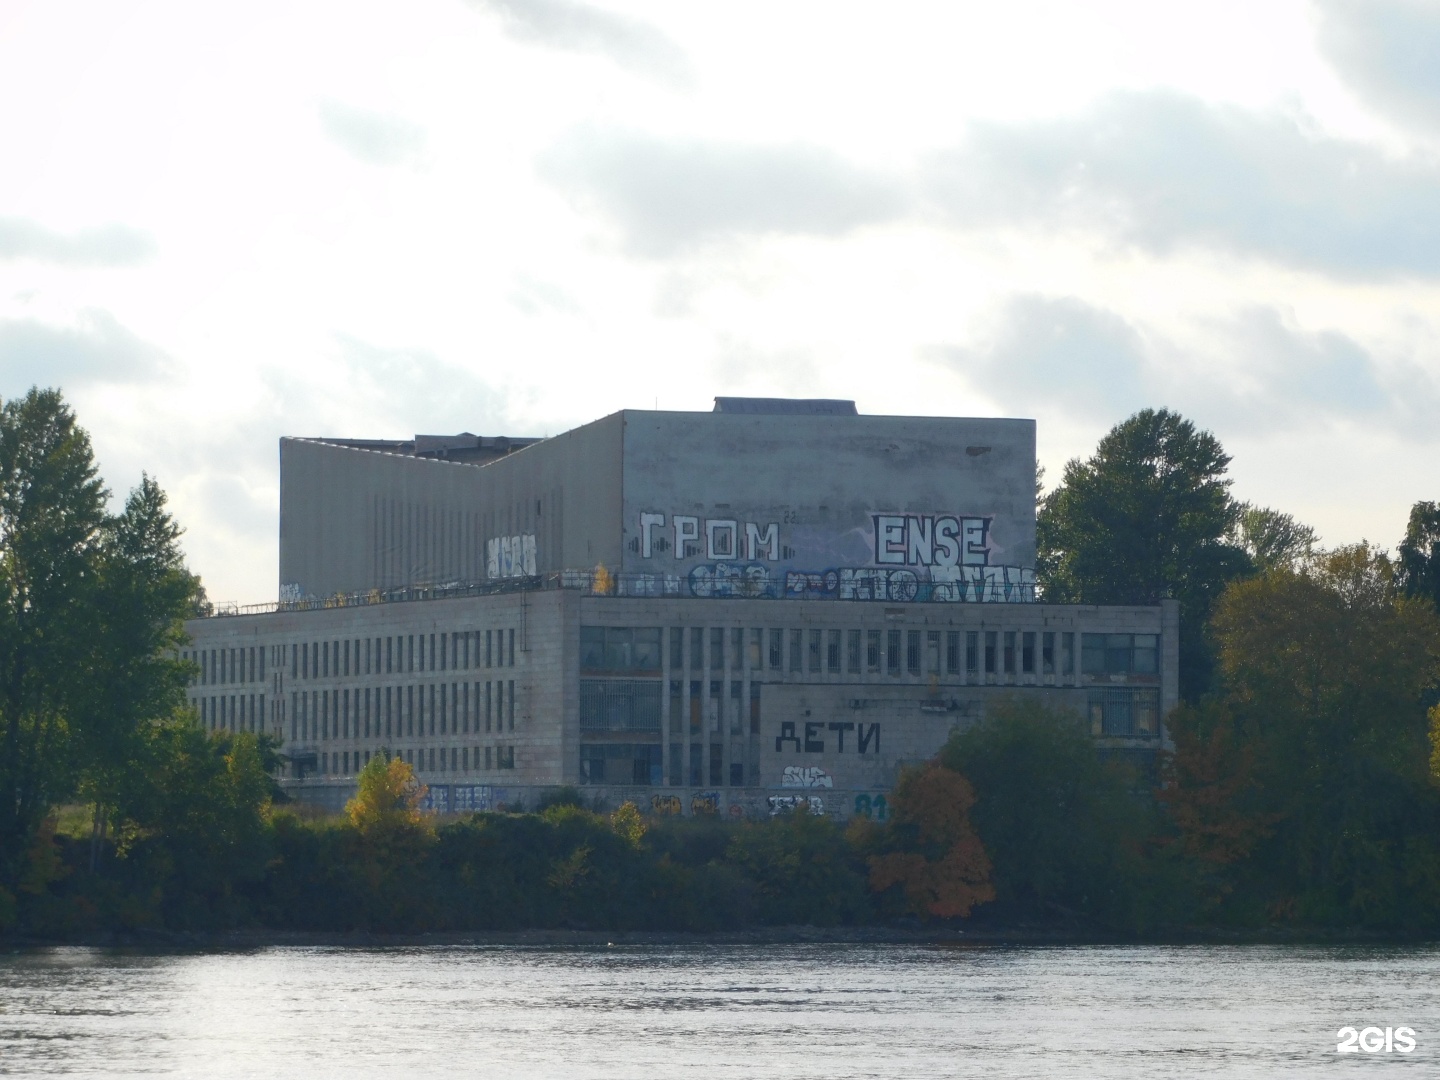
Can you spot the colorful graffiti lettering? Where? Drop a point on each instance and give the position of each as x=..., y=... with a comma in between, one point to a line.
x=705, y=804
x=732, y=579
x=868, y=806
x=946, y=585
x=665, y=805
x=805, y=776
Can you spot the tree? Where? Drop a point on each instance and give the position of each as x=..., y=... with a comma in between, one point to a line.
x=1146, y=517
x=1325, y=670
x=1271, y=539
x=1418, y=569
x=143, y=594
x=91, y=610
x=936, y=858
x=52, y=513
x=1064, y=830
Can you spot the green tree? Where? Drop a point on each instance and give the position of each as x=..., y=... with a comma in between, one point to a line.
x=91, y=610
x=1325, y=674
x=143, y=593
x=1271, y=539
x=52, y=517
x=1065, y=831
x=1146, y=517
x=1418, y=557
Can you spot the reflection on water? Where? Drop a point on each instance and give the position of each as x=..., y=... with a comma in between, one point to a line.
x=724, y=1011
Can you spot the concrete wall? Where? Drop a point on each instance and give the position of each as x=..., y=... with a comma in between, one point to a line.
x=354, y=520
x=831, y=506
x=252, y=673
x=820, y=507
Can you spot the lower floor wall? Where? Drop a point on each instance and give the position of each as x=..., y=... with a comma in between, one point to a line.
x=732, y=804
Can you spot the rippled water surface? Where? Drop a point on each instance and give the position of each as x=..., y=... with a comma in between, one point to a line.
x=734, y=1011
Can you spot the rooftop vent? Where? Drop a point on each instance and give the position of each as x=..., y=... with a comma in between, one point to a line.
x=770, y=406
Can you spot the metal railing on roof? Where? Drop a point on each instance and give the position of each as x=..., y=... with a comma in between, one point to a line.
x=862, y=585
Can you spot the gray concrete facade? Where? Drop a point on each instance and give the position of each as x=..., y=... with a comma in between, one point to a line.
x=702, y=504
x=686, y=704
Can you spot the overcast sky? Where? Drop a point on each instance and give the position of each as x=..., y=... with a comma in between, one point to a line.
x=220, y=224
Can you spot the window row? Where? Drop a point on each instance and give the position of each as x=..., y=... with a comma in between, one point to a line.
x=402, y=711
x=1126, y=712
x=637, y=650
x=702, y=767
x=458, y=651
x=232, y=712
x=219, y=667
x=455, y=759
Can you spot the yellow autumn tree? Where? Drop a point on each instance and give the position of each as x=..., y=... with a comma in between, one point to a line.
x=392, y=839
x=933, y=854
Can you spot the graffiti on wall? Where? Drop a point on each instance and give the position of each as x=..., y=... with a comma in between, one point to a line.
x=665, y=805
x=865, y=738
x=806, y=776
x=705, y=804
x=908, y=558
x=790, y=804
x=510, y=556
x=871, y=806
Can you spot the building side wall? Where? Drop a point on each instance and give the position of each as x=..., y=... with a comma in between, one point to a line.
x=815, y=505
x=753, y=700
x=354, y=520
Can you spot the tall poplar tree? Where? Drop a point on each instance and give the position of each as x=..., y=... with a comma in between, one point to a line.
x=91, y=609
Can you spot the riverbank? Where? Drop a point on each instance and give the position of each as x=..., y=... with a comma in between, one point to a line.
x=759, y=936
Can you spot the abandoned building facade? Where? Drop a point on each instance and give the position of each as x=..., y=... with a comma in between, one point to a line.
x=772, y=605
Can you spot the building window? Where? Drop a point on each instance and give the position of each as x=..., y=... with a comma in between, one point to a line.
x=912, y=651
x=677, y=648
x=696, y=703
x=952, y=652
x=777, y=649
x=872, y=650
x=754, y=708
x=512, y=649
x=717, y=648
x=1047, y=653
x=852, y=652
x=716, y=700
x=620, y=763
x=1119, y=654
x=1027, y=652
x=619, y=705
x=991, y=645
x=676, y=763
x=737, y=648
x=754, y=660
x=1124, y=712
x=697, y=753
x=932, y=652
x=797, y=648
x=814, y=650
x=737, y=718
x=717, y=763
x=1067, y=654
x=511, y=706
x=677, y=706
x=620, y=648
x=1009, y=652
x=697, y=648
x=832, y=652
x=737, y=774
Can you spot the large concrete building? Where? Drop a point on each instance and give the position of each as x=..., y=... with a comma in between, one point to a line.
x=720, y=612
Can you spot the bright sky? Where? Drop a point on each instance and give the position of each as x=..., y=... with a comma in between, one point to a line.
x=220, y=224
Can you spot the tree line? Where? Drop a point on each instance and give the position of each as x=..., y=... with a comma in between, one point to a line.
x=1302, y=789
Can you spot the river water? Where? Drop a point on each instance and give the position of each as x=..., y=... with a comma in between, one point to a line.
x=716, y=1012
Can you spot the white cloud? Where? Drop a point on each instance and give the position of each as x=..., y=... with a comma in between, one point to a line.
x=106, y=245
